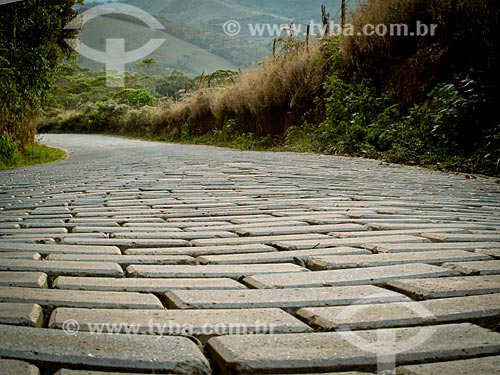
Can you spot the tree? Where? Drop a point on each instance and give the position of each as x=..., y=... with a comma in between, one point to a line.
x=32, y=46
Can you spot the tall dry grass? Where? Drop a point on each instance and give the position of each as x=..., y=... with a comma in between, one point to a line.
x=264, y=101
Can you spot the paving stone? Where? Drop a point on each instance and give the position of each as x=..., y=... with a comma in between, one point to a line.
x=302, y=244
x=405, y=226
x=15, y=367
x=85, y=372
x=104, y=351
x=332, y=351
x=90, y=299
x=111, y=229
x=241, y=227
x=274, y=231
x=278, y=256
x=143, y=285
x=16, y=255
x=413, y=247
x=267, y=240
x=406, y=232
x=199, y=323
x=58, y=249
x=199, y=251
x=483, y=309
x=283, y=298
x=126, y=242
x=494, y=253
x=334, y=262
x=124, y=260
x=422, y=289
x=175, y=235
x=486, y=366
x=232, y=271
x=24, y=279
x=33, y=231
x=184, y=225
x=21, y=314
x=63, y=268
x=452, y=237
x=488, y=267
x=371, y=275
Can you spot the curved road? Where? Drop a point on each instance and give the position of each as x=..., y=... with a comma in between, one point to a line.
x=200, y=248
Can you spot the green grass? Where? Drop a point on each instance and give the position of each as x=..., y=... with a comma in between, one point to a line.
x=33, y=155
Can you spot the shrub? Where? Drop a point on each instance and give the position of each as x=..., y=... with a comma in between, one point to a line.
x=8, y=148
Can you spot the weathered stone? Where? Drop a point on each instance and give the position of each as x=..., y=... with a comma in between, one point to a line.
x=278, y=256
x=24, y=279
x=89, y=299
x=266, y=240
x=358, y=276
x=234, y=227
x=21, y=314
x=354, y=261
x=124, y=260
x=199, y=251
x=103, y=351
x=282, y=298
x=494, y=253
x=275, y=231
x=302, y=244
x=233, y=271
x=58, y=249
x=15, y=367
x=26, y=256
x=485, y=308
x=143, y=285
x=413, y=247
x=90, y=372
x=188, y=236
x=486, y=365
x=125, y=242
x=200, y=323
x=447, y=287
x=406, y=232
x=334, y=351
x=488, y=267
x=117, y=229
x=63, y=268
x=452, y=237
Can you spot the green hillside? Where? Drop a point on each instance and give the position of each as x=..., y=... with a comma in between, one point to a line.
x=175, y=53
x=203, y=12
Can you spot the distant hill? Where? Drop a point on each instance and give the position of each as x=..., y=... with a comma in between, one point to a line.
x=195, y=41
x=175, y=54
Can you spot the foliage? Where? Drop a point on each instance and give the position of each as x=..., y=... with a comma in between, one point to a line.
x=7, y=148
x=31, y=47
x=12, y=157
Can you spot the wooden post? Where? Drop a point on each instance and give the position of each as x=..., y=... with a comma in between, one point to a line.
x=308, y=36
x=325, y=17
x=344, y=15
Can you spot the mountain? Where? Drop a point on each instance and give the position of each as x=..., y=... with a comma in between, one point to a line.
x=195, y=39
x=174, y=54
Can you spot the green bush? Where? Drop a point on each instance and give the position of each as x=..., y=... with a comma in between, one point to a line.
x=8, y=149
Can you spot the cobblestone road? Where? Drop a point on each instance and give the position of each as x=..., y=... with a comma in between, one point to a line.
x=139, y=257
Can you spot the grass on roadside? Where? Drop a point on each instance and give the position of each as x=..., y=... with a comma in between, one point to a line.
x=31, y=155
